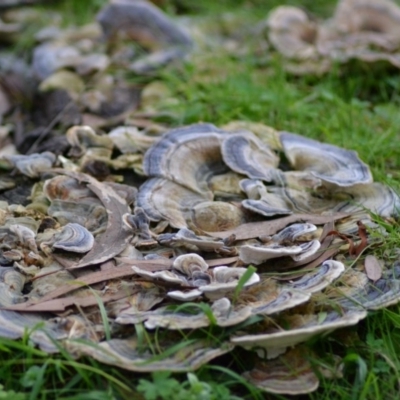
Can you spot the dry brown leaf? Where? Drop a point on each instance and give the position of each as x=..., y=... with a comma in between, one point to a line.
x=362, y=232
x=59, y=305
x=266, y=228
x=164, y=263
x=373, y=268
x=352, y=248
x=117, y=234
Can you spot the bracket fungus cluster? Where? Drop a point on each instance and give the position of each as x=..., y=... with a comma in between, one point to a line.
x=268, y=260
x=259, y=235
x=364, y=30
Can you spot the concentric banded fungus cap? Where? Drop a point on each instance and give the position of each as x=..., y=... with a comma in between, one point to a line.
x=34, y=164
x=268, y=206
x=290, y=374
x=376, y=197
x=75, y=238
x=356, y=291
x=257, y=254
x=269, y=298
x=325, y=161
x=299, y=329
x=224, y=313
x=293, y=232
x=162, y=199
x=188, y=156
x=318, y=279
x=292, y=33
x=167, y=276
x=246, y=154
x=225, y=280
x=308, y=249
x=126, y=353
x=188, y=270
x=190, y=264
x=92, y=216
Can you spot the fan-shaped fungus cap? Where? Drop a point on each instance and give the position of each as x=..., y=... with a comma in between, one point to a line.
x=257, y=254
x=308, y=249
x=293, y=232
x=190, y=263
x=125, y=353
x=300, y=329
x=320, y=278
x=246, y=154
x=273, y=301
x=290, y=374
x=325, y=161
x=188, y=156
x=225, y=280
x=376, y=197
x=162, y=199
x=74, y=238
x=224, y=314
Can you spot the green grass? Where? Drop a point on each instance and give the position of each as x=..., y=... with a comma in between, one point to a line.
x=354, y=107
